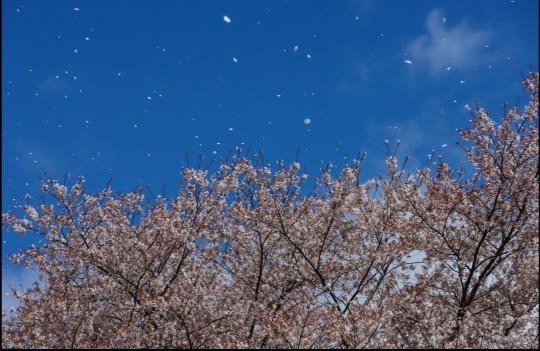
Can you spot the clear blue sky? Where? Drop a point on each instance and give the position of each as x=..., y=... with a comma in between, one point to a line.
x=124, y=89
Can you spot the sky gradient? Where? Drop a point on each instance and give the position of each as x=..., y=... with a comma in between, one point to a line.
x=125, y=89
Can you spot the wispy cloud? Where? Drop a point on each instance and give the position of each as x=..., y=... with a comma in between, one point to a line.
x=446, y=47
x=45, y=157
x=53, y=85
x=363, y=7
x=20, y=279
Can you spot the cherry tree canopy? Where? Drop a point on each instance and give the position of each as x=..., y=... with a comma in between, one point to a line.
x=245, y=258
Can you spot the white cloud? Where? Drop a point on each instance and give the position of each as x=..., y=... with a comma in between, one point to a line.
x=54, y=85
x=46, y=157
x=444, y=46
x=362, y=7
x=17, y=278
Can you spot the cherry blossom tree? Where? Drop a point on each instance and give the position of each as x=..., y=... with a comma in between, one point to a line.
x=248, y=257
x=480, y=237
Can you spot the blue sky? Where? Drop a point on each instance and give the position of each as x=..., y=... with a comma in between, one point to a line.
x=124, y=89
